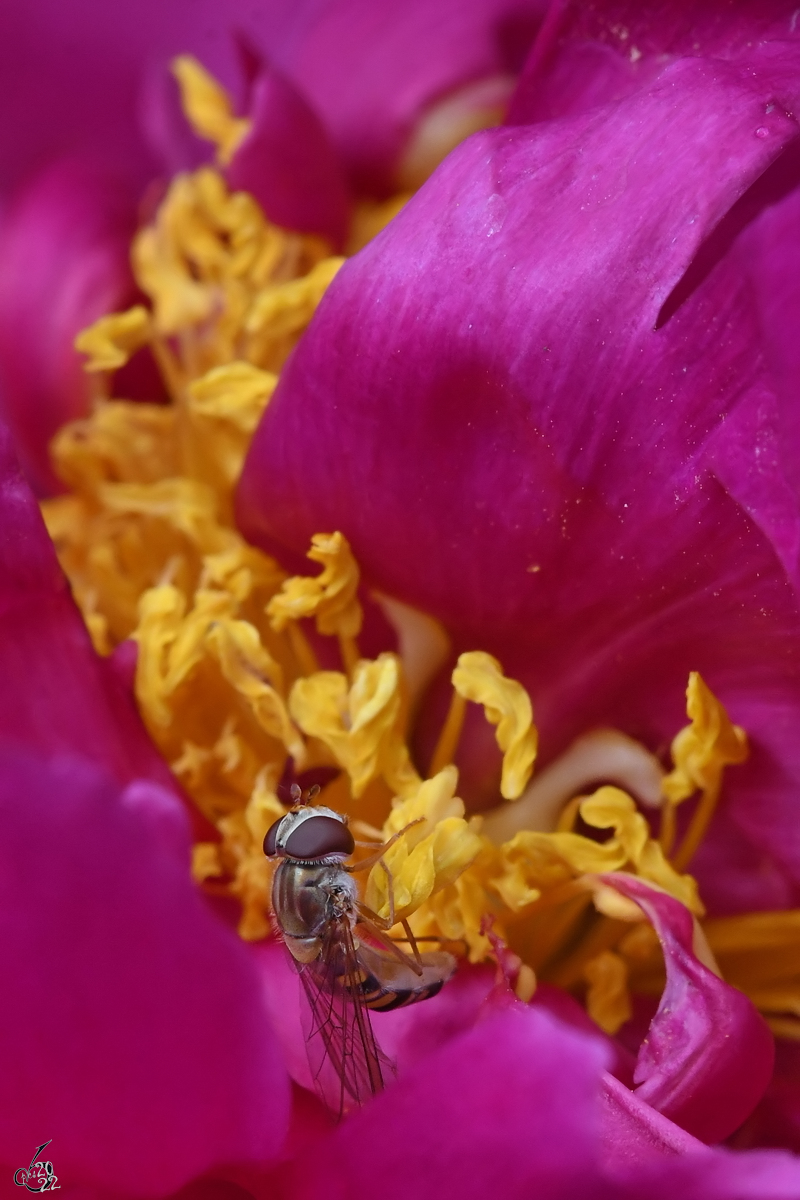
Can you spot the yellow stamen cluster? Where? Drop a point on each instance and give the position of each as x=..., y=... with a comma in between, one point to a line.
x=227, y=677
x=361, y=724
x=437, y=848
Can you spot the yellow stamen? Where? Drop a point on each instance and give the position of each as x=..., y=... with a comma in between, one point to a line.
x=567, y=817
x=209, y=109
x=360, y=724
x=701, y=752
x=111, y=341
x=330, y=597
x=608, y=1000
x=451, y=733
x=348, y=648
x=611, y=808
x=248, y=667
x=222, y=411
x=224, y=282
x=283, y=312
x=525, y=987
x=479, y=677
x=206, y=862
x=430, y=855
x=301, y=649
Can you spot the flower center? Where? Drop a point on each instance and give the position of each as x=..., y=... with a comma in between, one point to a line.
x=228, y=677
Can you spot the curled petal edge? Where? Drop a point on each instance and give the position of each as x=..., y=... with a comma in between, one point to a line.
x=708, y=1055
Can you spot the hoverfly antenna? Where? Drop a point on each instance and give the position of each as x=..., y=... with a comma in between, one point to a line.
x=296, y=793
x=312, y=793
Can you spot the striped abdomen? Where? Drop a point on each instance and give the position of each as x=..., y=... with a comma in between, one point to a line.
x=385, y=983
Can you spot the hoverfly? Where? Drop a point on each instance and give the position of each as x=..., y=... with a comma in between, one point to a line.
x=347, y=963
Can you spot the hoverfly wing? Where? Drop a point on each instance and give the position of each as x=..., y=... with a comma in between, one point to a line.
x=347, y=1065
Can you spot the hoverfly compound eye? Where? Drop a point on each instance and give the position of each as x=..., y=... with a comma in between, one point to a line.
x=319, y=836
x=271, y=839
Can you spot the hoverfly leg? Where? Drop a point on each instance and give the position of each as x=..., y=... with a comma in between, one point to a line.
x=383, y=922
x=412, y=941
x=365, y=863
x=378, y=927
x=371, y=917
x=389, y=891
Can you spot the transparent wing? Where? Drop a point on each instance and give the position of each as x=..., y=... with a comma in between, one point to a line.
x=347, y=1064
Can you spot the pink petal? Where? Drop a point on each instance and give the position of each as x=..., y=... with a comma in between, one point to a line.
x=75, y=76
x=508, y=1108
x=520, y=1107
x=495, y=386
x=371, y=70
x=707, y=1058
x=768, y=254
x=633, y=1133
x=81, y=78
x=281, y=990
x=288, y=163
x=776, y=1119
x=132, y=1027
x=606, y=51
x=717, y=1175
x=58, y=696
x=64, y=248
x=439, y=1129
x=164, y=124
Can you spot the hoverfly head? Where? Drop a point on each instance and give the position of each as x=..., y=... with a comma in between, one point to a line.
x=309, y=833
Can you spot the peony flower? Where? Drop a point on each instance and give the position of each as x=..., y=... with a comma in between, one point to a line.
x=183, y=1036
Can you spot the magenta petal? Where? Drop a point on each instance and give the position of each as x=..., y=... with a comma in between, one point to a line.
x=708, y=1055
x=716, y=1175
x=504, y=393
x=509, y=1108
x=769, y=253
x=605, y=51
x=288, y=163
x=73, y=74
x=371, y=70
x=409, y=1035
x=133, y=1029
x=776, y=1119
x=282, y=997
x=165, y=126
x=632, y=1132
x=64, y=249
x=58, y=696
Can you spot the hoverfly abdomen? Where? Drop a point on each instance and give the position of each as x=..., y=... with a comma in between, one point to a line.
x=391, y=984
x=384, y=1001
